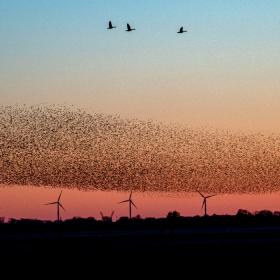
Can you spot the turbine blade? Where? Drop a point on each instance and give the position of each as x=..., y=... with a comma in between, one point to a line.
x=130, y=194
x=203, y=203
x=210, y=196
x=124, y=201
x=50, y=203
x=59, y=196
x=200, y=193
x=61, y=206
x=133, y=204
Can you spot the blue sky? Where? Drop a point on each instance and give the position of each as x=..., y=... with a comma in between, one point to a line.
x=223, y=72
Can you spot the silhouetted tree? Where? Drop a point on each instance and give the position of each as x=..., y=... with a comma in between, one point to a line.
x=264, y=213
x=243, y=212
x=138, y=217
x=173, y=214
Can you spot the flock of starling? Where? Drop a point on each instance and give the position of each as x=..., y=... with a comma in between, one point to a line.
x=62, y=146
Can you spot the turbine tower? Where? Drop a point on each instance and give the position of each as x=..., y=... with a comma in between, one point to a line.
x=130, y=203
x=58, y=205
x=204, y=203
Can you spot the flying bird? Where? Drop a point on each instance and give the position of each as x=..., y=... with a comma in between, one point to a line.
x=181, y=30
x=111, y=25
x=129, y=28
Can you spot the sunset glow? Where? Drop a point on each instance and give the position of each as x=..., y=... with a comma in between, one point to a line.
x=100, y=112
x=28, y=202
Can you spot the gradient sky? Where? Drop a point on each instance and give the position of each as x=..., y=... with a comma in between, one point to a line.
x=223, y=73
x=29, y=202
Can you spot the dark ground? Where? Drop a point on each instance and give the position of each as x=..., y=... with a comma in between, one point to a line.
x=226, y=241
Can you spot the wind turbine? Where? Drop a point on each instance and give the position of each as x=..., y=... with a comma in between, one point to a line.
x=2, y=219
x=204, y=203
x=58, y=204
x=107, y=218
x=130, y=202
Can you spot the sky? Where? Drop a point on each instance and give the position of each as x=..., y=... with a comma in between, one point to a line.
x=223, y=73
x=29, y=202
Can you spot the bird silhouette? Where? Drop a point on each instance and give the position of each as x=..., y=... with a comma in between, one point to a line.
x=129, y=28
x=111, y=25
x=182, y=30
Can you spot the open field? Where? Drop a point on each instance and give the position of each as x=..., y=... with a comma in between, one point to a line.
x=190, y=240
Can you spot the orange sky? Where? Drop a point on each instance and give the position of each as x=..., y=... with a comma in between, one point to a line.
x=223, y=73
x=28, y=202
